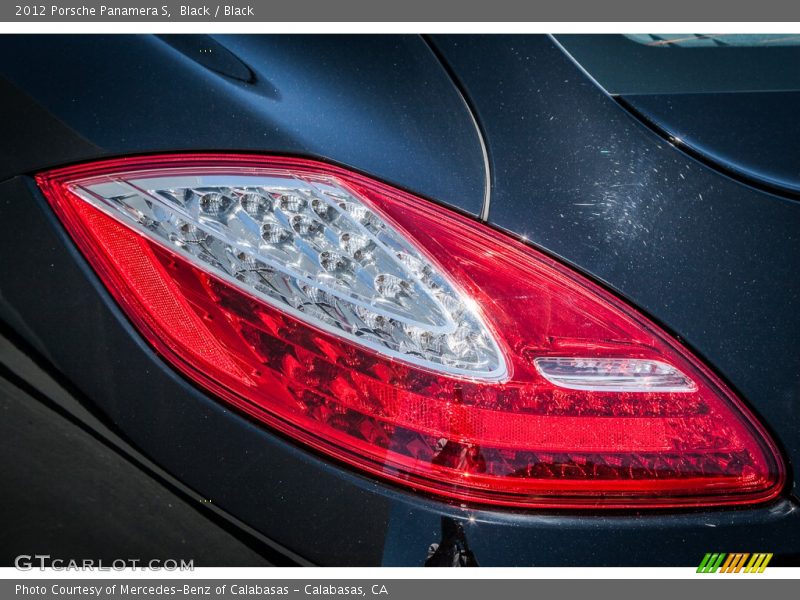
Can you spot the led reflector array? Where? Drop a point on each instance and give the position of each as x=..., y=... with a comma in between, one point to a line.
x=315, y=249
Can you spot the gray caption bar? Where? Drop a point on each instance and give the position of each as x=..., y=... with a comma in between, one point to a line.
x=409, y=10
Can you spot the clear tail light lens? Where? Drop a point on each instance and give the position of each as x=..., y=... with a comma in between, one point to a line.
x=406, y=340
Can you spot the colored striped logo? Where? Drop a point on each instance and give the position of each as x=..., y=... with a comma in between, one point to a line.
x=734, y=563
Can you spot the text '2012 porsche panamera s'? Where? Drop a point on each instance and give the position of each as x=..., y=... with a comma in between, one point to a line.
x=400, y=300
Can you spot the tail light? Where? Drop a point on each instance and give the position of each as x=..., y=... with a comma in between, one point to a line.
x=405, y=340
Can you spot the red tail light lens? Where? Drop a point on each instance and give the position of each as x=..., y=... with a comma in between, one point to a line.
x=406, y=340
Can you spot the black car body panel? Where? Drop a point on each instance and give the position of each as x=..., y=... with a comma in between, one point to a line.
x=731, y=100
x=712, y=259
x=72, y=494
x=762, y=148
x=382, y=105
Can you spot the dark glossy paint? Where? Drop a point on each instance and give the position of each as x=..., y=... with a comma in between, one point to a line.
x=57, y=478
x=378, y=104
x=764, y=145
x=732, y=106
x=627, y=67
x=554, y=141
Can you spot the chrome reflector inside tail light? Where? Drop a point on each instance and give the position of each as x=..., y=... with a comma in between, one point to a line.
x=613, y=374
x=407, y=341
x=308, y=246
